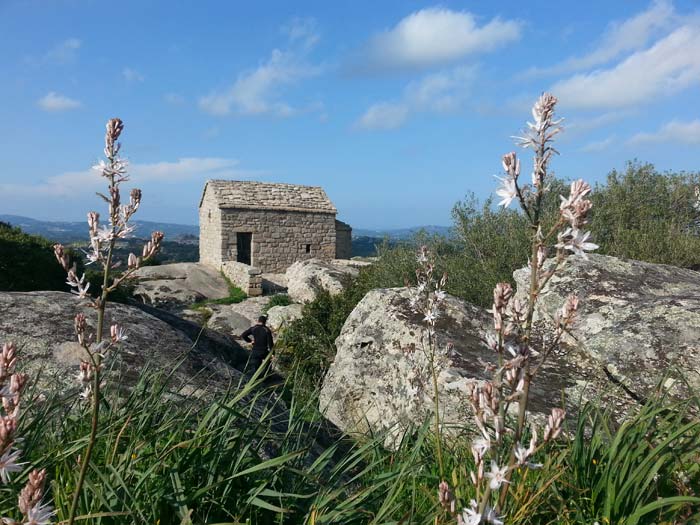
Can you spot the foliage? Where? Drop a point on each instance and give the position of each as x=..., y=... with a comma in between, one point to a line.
x=123, y=293
x=280, y=299
x=158, y=460
x=649, y=216
x=27, y=262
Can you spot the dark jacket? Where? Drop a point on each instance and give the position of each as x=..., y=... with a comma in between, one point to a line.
x=262, y=339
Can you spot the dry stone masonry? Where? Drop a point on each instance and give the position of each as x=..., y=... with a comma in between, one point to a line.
x=267, y=226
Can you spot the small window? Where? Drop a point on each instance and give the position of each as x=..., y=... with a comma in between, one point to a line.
x=308, y=248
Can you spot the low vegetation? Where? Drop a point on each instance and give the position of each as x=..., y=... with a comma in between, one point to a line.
x=27, y=262
x=280, y=299
x=158, y=462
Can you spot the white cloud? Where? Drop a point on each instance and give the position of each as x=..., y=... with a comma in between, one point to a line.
x=257, y=92
x=436, y=36
x=131, y=75
x=620, y=37
x=670, y=65
x=79, y=184
x=598, y=145
x=674, y=131
x=302, y=30
x=52, y=101
x=441, y=92
x=64, y=52
x=384, y=115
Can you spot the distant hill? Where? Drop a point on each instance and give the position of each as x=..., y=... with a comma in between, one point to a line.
x=364, y=241
x=69, y=232
x=402, y=234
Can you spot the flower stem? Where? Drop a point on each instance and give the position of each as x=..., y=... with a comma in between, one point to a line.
x=436, y=396
x=96, y=363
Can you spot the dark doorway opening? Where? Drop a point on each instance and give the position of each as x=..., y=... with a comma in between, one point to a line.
x=243, y=244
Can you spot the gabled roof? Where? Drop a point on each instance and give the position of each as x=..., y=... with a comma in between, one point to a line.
x=252, y=195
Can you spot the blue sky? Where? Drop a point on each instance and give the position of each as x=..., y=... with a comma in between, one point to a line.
x=396, y=108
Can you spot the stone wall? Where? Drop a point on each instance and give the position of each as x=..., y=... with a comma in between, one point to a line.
x=210, y=250
x=279, y=237
x=343, y=240
x=246, y=277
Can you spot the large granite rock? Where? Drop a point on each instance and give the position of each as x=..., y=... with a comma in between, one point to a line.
x=228, y=319
x=305, y=279
x=203, y=365
x=637, y=321
x=41, y=324
x=278, y=317
x=173, y=286
x=380, y=379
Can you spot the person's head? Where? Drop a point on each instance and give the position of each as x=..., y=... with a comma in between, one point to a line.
x=262, y=319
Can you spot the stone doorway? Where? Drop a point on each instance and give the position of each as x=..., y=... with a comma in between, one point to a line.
x=244, y=240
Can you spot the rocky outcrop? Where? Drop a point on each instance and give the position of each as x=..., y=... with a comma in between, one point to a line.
x=41, y=324
x=173, y=286
x=380, y=379
x=305, y=279
x=228, y=319
x=637, y=321
x=201, y=364
x=278, y=317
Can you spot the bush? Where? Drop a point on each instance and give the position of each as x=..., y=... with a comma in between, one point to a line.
x=280, y=299
x=27, y=262
x=649, y=216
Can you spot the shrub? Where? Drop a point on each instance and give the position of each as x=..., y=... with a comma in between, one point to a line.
x=27, y=262
x=280, y=299
x=649, y=216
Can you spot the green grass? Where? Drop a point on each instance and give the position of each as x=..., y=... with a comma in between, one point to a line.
x=160, y=460
x=280, y=299
x=235, y=295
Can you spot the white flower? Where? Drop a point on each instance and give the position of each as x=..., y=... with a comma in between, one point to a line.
x=430, y=317
x=40, y=514
x=490, y=516
x=579, y=243
x=480, y=447
x=507, y=191
x=470, y=516
x=497, y=476
x=491, y=342
x=9, y=464
x=521, y=454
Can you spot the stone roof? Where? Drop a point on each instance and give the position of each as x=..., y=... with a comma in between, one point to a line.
x=251, y=195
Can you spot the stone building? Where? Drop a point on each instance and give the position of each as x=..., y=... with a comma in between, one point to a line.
x=268, y=226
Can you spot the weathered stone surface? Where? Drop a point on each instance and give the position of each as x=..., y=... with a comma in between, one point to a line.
x=380, y=377
x=305, y=279
x=279, y=317
x=227, y=321
x=251, y=308
x=41, y=324
x=172, y=286
x=637, y=320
